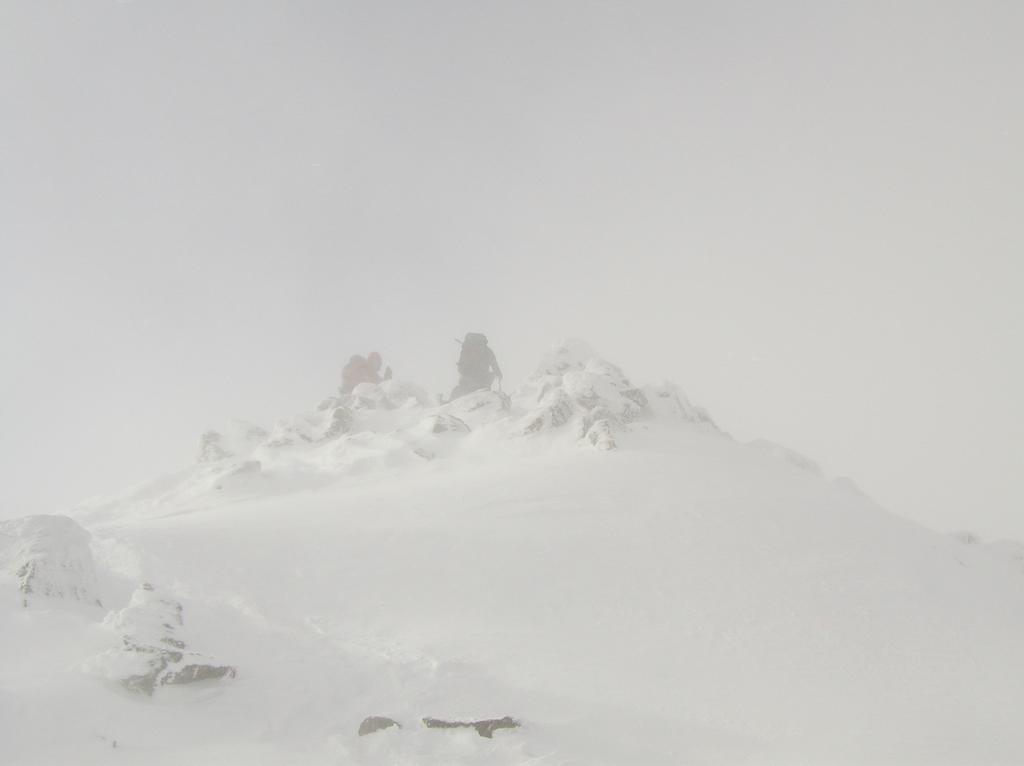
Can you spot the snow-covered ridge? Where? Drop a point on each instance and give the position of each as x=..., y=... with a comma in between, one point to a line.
x=574, y=397
x=572, y=390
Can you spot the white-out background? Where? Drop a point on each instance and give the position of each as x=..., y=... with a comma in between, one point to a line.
x=809, y=214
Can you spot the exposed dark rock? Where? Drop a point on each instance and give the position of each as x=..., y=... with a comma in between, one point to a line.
x=556, y=410
x=440, y=424
x=375, y=723
x=341, y=423
x=484, y=728
x=200, y=672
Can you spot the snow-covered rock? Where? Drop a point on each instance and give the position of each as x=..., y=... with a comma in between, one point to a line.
x=566, y=356
x=388, y=395
x=237, y=440
x=577, y=389
x=599, y=434
x=479, y=408
x=340, y=422
x=153, y=652
x=443, y=423
x=51, y=558
x=554, y=410
x=667, y=401
x=587, y=381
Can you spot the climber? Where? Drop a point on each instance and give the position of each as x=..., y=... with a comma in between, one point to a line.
x=363, y=370
x=477, y=365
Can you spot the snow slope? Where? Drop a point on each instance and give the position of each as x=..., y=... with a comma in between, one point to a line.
x=594, y=559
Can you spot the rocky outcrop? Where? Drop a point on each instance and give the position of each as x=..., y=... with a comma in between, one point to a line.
x=299, y=430
x=574, y=384
x=153, y=652
x=51, y=558
x=573, y=391
x=554, y=410
x=485, y=728
x=330, y=403
x=479, y=408
x=574, y=395
x=374, y=723
x=443, y=424
x=238, y=439
x=598, y=434
x=668, y=402
x=211, y=447
x=341, y=422
x=602, y=385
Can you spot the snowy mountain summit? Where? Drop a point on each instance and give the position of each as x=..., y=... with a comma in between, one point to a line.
x=583, y=570
x=573, y=390
x=575, y=397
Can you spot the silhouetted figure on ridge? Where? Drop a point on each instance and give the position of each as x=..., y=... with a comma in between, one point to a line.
x=477, y=365
x=363, y=370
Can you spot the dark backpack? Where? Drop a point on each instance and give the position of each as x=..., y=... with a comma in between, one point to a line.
x=475, y=359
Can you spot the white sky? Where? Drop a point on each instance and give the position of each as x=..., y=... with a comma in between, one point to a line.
x=808, y=214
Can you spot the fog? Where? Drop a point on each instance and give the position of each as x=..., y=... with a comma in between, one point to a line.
x=807, y=214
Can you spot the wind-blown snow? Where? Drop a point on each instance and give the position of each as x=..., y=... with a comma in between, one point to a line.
x=592, y=558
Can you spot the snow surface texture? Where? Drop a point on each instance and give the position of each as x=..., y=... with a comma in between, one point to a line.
x=590, y=560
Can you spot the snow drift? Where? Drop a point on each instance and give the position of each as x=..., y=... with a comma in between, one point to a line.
x=586, y=558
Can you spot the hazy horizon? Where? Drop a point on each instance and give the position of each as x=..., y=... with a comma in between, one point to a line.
x=806, y=215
